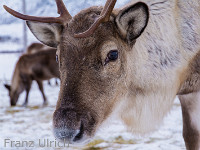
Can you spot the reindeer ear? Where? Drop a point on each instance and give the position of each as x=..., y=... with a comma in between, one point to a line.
x=132, y=21
x=47, y=33
x=7, y=87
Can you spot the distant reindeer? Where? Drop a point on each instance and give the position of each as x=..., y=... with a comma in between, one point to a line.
x=39, y=66
x=36, y=47
x=134, y=60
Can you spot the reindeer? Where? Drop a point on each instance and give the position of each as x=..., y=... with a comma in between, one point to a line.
x=35, y=47
x=38, y=66
x=132, y=60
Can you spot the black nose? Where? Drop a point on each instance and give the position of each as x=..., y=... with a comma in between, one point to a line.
x=67, y=125
x=69, y=135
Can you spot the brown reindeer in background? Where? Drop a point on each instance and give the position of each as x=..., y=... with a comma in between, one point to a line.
x=135, y=60
x=39, y=66
x=36, y=47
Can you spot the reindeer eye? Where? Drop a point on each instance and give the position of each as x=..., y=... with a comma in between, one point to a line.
x=57, y=58
x=112, y=55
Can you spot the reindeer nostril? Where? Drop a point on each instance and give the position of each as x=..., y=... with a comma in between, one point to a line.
x=69, y=135
x=65, y=134
x=70, y=126
x=80, y=134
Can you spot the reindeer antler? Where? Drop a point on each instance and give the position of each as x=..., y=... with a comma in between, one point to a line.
x=65, y=16
x=104, y=17
x=62, y=19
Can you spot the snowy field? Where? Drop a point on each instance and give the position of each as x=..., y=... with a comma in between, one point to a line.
x=34, y=123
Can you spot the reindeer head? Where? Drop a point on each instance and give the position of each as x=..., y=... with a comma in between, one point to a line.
x=13, y=94
x=93, y=64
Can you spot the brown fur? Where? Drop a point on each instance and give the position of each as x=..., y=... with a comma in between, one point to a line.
x=39, y=66
x=192, y=83
x=191, y=133
x=35, y=47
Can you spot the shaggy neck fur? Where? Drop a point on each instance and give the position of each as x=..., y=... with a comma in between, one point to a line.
x=158, y=62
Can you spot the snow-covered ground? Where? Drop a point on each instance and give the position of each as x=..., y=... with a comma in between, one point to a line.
x=34, y=123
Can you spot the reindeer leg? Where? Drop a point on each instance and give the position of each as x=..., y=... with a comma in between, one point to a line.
x=40, y=85
x=56, y=81
x=49, y=83
x=190, y=104
x=27, y=88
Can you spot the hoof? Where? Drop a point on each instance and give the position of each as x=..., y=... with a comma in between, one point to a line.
x=24, y=105
x=45, y=103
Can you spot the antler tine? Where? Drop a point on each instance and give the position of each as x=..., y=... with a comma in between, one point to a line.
x=33, y=18
x=62, y=10
x=62, y=19
x=104, y=17
x=107, y=10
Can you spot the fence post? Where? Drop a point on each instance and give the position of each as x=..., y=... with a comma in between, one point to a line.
x=25, y=39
